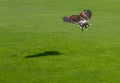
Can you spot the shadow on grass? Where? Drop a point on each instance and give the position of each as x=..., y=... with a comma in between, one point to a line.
x=46, y=53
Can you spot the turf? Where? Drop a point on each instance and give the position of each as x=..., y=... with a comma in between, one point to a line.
x=36, y=46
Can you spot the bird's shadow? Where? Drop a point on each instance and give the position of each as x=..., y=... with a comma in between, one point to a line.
x=46, y=53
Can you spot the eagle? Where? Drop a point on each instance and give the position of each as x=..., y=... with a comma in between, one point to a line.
x=81, y=19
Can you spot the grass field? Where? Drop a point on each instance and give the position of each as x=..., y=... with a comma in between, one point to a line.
x=36, y=46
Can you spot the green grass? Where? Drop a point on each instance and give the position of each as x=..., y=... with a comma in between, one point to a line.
x=32, y=27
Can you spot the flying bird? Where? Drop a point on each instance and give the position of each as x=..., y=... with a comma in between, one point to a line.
x=81, y=19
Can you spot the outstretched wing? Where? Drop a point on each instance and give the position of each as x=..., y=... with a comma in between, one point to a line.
x=72, y=18
x=88, y=14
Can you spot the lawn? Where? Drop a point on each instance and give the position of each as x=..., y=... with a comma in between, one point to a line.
x=36, y=46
